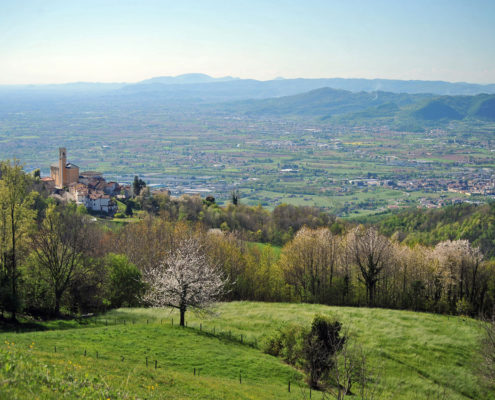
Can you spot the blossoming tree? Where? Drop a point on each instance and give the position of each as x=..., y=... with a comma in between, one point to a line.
x=185, y=279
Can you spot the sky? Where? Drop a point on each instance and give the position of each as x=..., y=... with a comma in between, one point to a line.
x=57, y=41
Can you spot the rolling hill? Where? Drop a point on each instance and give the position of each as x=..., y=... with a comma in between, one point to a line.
x=413, y=355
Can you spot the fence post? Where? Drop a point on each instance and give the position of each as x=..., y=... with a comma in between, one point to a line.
x=240, y=376
x=156, y=364
x=289, y=386
x=84, y=352
x=200, y=327
x=241, y=337
x=97, y=355
x=55, y=348
x=146, y=360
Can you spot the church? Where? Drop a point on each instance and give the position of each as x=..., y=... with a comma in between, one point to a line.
x=63, y=173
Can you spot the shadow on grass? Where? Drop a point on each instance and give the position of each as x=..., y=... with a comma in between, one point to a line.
x=29, y=325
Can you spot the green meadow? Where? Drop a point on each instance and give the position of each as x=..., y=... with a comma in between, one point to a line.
x=218, y=356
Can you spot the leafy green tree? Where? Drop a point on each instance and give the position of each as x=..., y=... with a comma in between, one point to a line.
x=125, y=284
x=235, y=196
x=320, y=345
x=16, y=219
x=138, y=185
x=128, y=209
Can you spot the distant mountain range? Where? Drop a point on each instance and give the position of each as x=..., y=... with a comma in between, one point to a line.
x=401, y=104
x=203, y=87
x=187, y=79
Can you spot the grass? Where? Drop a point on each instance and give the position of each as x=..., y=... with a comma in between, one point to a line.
x=416, y=355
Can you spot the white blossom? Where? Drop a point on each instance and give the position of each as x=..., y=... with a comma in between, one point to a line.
x=185, y=279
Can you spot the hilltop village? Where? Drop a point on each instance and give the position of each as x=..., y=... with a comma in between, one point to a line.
x=87, y=188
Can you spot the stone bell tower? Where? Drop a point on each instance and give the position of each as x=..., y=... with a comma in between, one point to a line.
x=62, y=162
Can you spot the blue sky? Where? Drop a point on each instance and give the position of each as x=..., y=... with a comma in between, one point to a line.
x=54, y=41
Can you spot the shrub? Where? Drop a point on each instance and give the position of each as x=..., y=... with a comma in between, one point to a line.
x=286, y=343
x=319, y=347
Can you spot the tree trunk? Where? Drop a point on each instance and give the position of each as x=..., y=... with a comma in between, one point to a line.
x=182, y=315
x=57, y=303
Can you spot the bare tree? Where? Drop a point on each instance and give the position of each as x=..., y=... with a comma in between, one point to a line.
x=487, y=369
x=185, y=279
x=371, y=252
x=352, y=369
x=60, y=245
x=459, y=269
x=308, y=262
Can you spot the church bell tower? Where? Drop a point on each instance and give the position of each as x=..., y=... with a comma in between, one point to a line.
x=62, y=162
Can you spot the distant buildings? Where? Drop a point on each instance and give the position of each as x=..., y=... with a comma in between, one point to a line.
x=63, y=173
x=86, y=188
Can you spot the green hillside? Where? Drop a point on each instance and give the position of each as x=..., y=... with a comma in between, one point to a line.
x=361, y=107
x=463, y=221
x=414, y=355
x=437, y=110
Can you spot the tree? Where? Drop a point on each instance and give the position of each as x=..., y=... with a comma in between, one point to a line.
x=137, y=185
x=308, y=263
x=185, y=279
x=371, y=252
x=16, y=218
x=487, y=369
x=60, y=245
x=459, y=270
x=125, y=284
x=319, y=349
x=128, y=209
x=235, y=196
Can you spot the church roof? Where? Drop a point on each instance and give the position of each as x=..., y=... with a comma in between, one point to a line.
x=68, y=165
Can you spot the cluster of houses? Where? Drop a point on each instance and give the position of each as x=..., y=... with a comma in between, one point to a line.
x=86, y=188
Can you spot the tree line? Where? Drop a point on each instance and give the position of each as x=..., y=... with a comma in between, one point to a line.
x=56, y=259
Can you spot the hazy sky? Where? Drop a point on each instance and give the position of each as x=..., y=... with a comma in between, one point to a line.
x=50, y=41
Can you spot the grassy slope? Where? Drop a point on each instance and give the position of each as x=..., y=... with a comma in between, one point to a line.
x=419, y=356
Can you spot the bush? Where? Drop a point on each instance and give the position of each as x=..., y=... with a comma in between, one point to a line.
x=312, y=349
x=463, y=307
x=286, y=343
